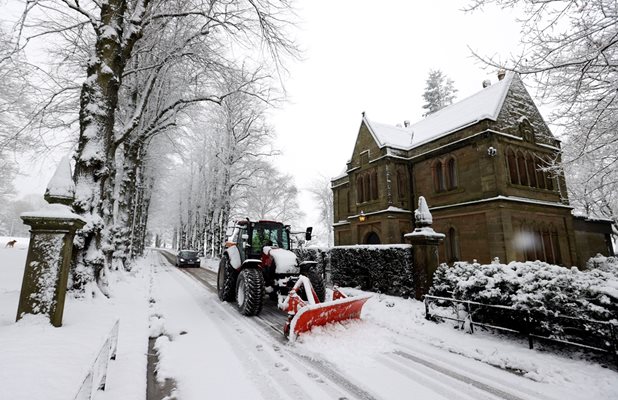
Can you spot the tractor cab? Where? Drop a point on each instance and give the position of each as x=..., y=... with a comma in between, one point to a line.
x=252, y=236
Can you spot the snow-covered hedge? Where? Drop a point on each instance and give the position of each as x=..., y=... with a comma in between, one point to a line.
x=378, y=268
x=536, y=286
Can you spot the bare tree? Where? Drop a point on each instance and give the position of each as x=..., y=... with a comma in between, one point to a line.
x=570, y=49
x=135, y=84
x=269, y=195
x=322, y=194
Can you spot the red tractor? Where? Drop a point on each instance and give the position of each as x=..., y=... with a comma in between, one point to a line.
x=258, y=260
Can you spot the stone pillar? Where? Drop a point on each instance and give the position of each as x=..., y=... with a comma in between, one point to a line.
x=425, y=242
x=52, y=230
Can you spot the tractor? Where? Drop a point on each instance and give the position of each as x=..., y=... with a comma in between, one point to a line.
x=258, y=260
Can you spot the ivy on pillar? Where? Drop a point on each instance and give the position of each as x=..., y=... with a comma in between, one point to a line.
x=52, y=230
x=425, y=242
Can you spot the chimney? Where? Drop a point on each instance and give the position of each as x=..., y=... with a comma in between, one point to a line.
x=486, y=83
x=501, y=74
x=406, y=123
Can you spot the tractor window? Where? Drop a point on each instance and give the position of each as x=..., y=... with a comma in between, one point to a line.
x=274, y=236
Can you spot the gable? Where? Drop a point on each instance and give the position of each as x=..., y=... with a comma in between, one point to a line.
x=366, y=147
x=519, y=116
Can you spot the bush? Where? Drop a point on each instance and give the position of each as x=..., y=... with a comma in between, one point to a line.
x=543, y=289
x=536, y=286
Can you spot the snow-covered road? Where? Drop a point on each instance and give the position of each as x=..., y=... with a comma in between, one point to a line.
x=214, y=350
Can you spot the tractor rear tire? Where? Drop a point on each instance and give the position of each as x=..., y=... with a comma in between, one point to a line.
x=250, y=291
x=226, y=280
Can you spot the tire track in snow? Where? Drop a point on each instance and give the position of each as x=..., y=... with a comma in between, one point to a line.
x=270, y=369
x=448, y=361
x=445, y=389
x=268, y=324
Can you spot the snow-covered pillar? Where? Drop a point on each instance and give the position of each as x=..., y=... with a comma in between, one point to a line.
x=425, y=242
x=52, y=230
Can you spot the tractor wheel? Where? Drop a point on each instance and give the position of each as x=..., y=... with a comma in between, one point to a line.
x=226, y=280
x=317, y=281
x=318, y=285
x=250, y=291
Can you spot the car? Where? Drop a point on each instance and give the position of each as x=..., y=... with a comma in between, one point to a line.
x=187, y=258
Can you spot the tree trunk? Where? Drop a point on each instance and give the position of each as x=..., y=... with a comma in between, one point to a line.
x=95, y=162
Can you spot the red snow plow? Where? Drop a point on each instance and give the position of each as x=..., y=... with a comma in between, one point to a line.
x=303, y=315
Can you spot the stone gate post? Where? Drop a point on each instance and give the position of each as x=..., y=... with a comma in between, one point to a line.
x=52, y=230
x=425, y=242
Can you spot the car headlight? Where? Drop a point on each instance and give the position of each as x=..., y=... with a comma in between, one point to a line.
x=182, y=259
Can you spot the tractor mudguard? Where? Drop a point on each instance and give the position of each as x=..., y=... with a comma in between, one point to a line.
x=234, y=255
x=305, y=266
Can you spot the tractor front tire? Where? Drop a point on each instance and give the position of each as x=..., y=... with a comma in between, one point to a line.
x=250, y=291
x=317, y=281
x=226, y=280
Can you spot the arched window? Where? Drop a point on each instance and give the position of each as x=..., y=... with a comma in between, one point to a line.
x=549, y=180
x=555, y=246
x=540, y=174
x=401, y=184
x=451, y=173
x=366, y=187
x=531, y=170
x=374, y=185
x=540, y=243
x=359, y=189
x=438, y=177
x=512, y=165
x=452, y=246
x=521, y=168
x=547, y=247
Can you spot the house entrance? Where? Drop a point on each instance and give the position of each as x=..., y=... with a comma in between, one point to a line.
x=372, y=238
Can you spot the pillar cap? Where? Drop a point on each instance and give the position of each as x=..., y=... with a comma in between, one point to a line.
x=61, y=188
x=53, y=214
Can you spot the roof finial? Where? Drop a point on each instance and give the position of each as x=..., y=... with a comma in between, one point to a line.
x=363, y=114
x=501, y=73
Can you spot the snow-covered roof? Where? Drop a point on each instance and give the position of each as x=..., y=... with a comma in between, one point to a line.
x=485, y=104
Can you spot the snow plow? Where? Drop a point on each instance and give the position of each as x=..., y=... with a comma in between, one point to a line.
x=303, y=315
x=258, y=261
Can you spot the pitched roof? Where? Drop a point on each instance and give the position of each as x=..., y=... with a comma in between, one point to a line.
x=485, y=104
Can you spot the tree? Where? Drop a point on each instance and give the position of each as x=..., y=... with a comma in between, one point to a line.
x=322, y=194
x=570, y=50
x=439, y=92
x=269, y=195
x=144, y=63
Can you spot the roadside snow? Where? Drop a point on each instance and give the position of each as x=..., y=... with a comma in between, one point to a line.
x=38, y=361
x=211, y=351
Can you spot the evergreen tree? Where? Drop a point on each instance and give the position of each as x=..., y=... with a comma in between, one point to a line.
x=439, y=92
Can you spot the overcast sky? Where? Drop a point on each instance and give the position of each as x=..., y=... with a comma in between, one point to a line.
x=375, y=57
x=363, y=55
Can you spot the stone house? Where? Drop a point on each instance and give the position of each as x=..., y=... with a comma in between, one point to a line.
x=478, y=163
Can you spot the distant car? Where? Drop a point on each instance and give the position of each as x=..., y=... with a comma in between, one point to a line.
x=187, y=258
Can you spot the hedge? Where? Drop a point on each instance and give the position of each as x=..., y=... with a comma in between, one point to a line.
x=377, y=268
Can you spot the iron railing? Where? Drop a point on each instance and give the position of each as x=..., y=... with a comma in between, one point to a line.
x=588, y=334
x=97, y=374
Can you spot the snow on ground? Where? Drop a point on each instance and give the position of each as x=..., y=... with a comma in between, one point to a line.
x=391, y=324
x=211, y=351
x=39, y=361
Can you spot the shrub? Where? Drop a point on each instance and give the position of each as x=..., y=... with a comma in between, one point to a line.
x=378, y=268
x=543, y=289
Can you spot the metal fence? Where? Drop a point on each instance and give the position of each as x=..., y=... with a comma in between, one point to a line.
x=599, y=336
x=97, y=374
